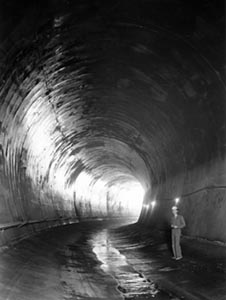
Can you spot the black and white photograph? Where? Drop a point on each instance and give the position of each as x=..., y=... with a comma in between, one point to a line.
x=112, y=150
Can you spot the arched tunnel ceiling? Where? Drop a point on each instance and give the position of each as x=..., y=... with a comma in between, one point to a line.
x=112, y=89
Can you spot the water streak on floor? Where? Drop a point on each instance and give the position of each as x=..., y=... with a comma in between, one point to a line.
x=132, y=284
x=100, y=260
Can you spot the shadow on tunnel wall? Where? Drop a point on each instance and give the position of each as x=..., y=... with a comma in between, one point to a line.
x=202, y=194
x=124, y=85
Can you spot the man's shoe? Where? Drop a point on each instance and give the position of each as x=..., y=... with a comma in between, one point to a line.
x=178, y=258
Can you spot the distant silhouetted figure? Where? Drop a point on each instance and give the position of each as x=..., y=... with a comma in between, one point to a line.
x=177, y=223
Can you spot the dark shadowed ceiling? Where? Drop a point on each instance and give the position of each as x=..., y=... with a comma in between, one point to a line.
x=123, y=90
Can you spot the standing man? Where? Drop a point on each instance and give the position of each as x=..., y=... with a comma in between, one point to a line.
x=177, y=223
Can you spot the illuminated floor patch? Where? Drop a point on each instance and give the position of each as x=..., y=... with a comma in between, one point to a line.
x=132, y=284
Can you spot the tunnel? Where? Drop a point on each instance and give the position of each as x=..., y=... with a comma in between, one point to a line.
x=110, y=112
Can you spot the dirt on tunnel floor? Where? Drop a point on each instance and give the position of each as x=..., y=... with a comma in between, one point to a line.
x=103, y=260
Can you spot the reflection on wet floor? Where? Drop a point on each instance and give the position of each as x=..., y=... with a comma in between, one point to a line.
x=106, y=253
x=98, y=260
x=132, y=284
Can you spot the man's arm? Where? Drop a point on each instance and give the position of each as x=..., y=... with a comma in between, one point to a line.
x=182, y=222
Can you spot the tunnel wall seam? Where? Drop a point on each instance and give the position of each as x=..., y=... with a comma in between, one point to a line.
x=12, y=233
x=202, y=195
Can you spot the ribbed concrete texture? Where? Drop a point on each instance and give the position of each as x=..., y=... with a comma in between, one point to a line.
x=112, y=109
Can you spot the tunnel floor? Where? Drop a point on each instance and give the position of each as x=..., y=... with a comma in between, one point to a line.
x=105, y=260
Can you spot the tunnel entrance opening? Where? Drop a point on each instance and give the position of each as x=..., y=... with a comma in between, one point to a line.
x=128, y=197
x=122, y=198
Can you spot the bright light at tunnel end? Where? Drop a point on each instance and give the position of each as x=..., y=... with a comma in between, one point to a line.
x=130, y=196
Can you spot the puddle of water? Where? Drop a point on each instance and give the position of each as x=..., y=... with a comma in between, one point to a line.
x=131, y=283
x=109, y=256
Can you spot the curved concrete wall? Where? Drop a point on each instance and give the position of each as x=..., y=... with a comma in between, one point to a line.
x=202, y=194
x=110, y=94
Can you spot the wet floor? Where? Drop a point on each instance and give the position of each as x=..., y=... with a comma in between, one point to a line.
x=131, y=283
x=99, y=260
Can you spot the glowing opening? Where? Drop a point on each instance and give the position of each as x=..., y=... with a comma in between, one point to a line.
x=96, y=198
x=128, y=197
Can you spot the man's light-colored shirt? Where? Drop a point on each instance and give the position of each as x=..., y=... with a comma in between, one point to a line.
x=177, y=221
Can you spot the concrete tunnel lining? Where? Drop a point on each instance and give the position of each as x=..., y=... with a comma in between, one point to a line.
x=117, y=99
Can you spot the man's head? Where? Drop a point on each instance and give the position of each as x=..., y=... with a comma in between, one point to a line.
x=175, y=210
